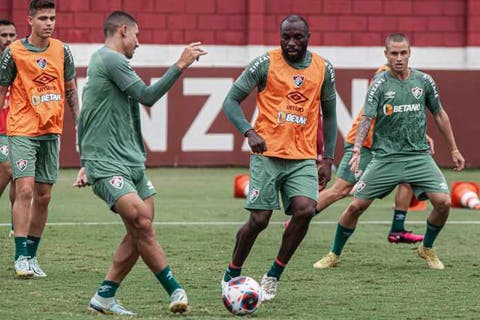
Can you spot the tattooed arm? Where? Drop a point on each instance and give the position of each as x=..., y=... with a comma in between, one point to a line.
x=362, y=131
x=3, y=94
x=71, y=96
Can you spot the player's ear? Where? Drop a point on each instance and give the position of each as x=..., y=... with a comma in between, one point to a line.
x=123, y=30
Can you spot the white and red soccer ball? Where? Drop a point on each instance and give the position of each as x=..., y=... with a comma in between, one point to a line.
x=242, y=296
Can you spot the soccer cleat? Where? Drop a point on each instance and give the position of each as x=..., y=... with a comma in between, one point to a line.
x=329, y=261
x=22, y=268
x=113, y=307
x=431, y=257
x=35, y=267
x=179, y=301
x=404, y=237
x=269, y=287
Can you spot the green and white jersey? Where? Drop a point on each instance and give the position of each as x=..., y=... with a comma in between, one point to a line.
x=109, y=123
x=255, y=75
x=399, y=109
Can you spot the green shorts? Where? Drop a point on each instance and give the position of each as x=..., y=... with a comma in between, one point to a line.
x=34, y=158
x=3, y=148
x=344, y=171
x=382, y=176
x=112, y=181
x=269, y=176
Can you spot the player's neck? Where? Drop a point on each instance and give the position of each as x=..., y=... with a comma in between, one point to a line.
x=402, y=75
x=38, y=42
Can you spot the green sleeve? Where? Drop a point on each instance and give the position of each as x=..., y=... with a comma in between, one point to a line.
x=372, y=99
x=118, y=69
x=233, y=110
x=8, y=70
x=328, y=88
x=432, y=97
x=329, y=121
x=254, y=75
x=148, y=95
x=69, y=65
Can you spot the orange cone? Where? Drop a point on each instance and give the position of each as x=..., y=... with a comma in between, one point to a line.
x=240, y=186
x=465, y=195
x=417, y=205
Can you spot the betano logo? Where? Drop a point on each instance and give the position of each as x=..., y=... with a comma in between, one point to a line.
x=284, y=117
x=36, y=100
x=388, y=109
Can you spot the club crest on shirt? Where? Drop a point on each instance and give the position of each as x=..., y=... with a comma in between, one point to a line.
x=22, y=164
x=253, y=194
x=117, y=182
x=417, y=92
x=42, y=63
x=4, y=149
x=298, y=80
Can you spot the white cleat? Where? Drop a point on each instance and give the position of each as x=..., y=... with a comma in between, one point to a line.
x=22, y=268
x=179, y=301
x=110, y=307
x=35, y=266
x=269, y=287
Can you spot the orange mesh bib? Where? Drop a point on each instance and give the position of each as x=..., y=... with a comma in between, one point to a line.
x=38, y=92
x=289, y=107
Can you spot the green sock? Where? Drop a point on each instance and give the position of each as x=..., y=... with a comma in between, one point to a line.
x=108, y=289
x=20, y=247
x=398, y=223
x=232, y=272
x=431, y=234
x=341, y=237
x=167, y=280
x=32, y=246
x=276, y=269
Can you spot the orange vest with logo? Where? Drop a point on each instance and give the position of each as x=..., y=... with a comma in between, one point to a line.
x=353, y=131
x=289, y=108
x=37, y=94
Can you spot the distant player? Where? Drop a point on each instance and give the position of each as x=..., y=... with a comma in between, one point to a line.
x=296, y=100
x=8, y=34
x=398, y=101
x=40, y=71
x=113, y=155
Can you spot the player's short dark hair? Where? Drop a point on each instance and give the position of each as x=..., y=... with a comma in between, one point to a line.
x=36, y=5
x=396, y=37
x=295, y=18
x=115, y=20
x=5, y=22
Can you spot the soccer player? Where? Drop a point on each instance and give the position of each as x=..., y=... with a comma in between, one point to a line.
x=40, y=71
x=346, y=179
x=296, y=92
x=398, y=100
x=8, y=34
x=113, y=156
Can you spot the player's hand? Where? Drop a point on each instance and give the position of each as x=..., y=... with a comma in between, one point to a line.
x=458, y=160
x=191, y=53
x=324, y=170
x=256, y=143
x=81, y=180
x=355, y=161
x=431, y=144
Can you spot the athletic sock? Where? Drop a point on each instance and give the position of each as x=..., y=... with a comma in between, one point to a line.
x=231, y=272
x=108, y=289
x=398, y=223
x=20, y=247
x=431, y=234
x=341, y=236
x=167, y=280
x=276, y=269
x=32, y=246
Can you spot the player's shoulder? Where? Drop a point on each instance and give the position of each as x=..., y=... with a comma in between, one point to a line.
x=259, y=62
x=417, y=74
x=380, y=78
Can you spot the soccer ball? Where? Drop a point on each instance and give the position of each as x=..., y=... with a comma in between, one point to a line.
x=242, y=296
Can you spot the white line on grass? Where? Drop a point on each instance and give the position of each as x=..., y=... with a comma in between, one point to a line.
x=226, y=223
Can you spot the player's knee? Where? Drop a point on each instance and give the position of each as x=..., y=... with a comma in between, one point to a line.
x=356, y=209
x=43, y=199
x=443, y=205
x=304, y=211
x=24, y=193
x=258, y=222
x=143, y=227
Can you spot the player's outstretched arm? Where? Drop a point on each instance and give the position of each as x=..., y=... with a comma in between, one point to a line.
x=191, y=53
x=443, y=123
x=362, y=132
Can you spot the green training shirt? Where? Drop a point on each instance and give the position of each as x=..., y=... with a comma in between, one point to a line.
x=109, y=126
x=399, y=107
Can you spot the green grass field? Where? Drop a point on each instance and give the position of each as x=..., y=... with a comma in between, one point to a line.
x=197, y=218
